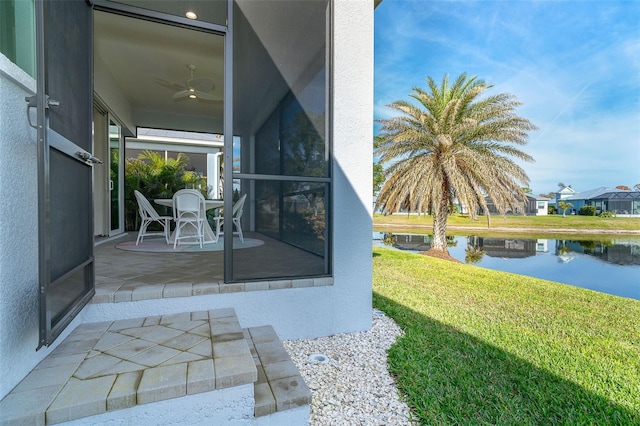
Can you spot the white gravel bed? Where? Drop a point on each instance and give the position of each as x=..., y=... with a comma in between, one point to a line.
x=352, y=385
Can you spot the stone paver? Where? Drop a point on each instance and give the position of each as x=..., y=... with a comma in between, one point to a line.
x=280, y=370
x=290, y=392
x=230, y=348
x=177, y=290
x=271, y=352
x=162, y=383
x=124, y=390
x=200, y=376
x=114, y=366
x=279, y=385
x=145, y=292
x=80, y=398
x=265, y=402
x=235, y=370
x=27, y=408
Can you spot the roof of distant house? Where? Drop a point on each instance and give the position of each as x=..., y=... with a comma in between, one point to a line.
x=594, y=193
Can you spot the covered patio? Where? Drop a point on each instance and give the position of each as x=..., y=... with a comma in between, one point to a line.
x=123, y=276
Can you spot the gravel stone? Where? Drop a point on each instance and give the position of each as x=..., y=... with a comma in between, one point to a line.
x=354, y=386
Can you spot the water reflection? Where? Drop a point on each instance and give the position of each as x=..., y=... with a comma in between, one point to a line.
x=612, y=251
x=413, y=242
x=610, y=265
x=616, y=251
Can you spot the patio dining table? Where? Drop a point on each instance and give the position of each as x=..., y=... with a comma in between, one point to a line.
x=209, y=234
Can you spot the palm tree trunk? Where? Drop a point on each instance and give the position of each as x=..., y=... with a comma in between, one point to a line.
x=440, y=227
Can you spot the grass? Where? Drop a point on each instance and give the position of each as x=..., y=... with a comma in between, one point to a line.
x=488, y=347
x=539, y=222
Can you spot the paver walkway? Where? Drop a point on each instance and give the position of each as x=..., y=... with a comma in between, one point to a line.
x=115, y=365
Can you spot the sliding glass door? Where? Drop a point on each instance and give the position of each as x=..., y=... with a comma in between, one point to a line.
x=116, y=179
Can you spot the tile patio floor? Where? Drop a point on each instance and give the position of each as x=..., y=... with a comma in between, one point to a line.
x=126, y=275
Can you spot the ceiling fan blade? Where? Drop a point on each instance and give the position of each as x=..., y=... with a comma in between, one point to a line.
x=169, y=84
x=181, y=94
x=207, y=96
x=202, y=84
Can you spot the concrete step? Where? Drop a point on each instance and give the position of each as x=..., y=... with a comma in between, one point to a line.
x=193, y=367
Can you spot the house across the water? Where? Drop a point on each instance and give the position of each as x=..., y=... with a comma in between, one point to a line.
x=621, y=202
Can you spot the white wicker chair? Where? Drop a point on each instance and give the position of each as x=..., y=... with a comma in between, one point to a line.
x=237, y=215
x=189, y=211
x=149, y=215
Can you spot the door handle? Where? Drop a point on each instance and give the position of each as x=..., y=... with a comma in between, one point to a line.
x=32, y=103
x=88, y=158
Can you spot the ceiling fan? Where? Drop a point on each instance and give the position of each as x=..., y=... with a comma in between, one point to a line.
x=194, y=88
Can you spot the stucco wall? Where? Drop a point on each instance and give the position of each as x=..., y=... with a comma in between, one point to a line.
x=353, y=159
x=19, y=309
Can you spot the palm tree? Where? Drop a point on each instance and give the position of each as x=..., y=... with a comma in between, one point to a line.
x=564, y=206
x=453, y=144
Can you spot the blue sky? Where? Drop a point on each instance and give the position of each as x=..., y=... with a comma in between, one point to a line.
x=575, y=66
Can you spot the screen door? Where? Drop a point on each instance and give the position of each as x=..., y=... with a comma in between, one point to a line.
x=65, y=146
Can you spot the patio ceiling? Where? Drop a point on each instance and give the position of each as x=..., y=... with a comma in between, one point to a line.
x=133, y=53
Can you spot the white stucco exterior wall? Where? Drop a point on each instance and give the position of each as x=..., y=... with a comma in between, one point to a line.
x=353, y=159
x=19, y=305
x=18, y=228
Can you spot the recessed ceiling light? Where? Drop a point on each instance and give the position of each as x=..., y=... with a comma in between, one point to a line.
x=191, y=15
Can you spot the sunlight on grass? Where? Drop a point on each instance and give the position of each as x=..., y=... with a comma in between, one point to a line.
x=483, y=346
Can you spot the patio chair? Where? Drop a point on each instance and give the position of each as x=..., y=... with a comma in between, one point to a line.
x=237, y=215
x=189, y=214
x=149, y=215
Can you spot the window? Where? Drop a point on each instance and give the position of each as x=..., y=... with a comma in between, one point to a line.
x=17, y=33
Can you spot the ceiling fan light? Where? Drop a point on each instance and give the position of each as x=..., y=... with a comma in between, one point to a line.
x=191, y=14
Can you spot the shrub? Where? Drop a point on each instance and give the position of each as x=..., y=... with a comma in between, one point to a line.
x=587, y=211
x=607, y=214
x=552, y=210
x=155, y=177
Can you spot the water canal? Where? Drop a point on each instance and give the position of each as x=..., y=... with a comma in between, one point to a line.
x=607, y=264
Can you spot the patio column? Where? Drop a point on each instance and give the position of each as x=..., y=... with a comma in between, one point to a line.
x=213, y=175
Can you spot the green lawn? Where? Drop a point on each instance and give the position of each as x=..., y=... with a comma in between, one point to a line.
x=488, y=347
x=541, y=222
